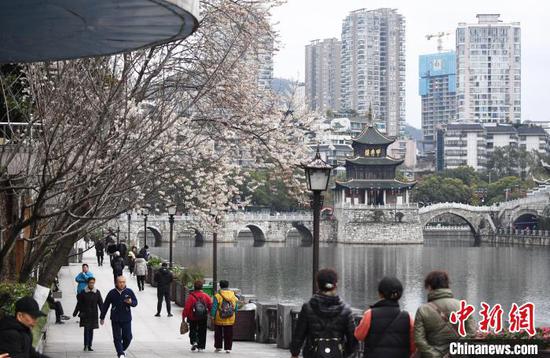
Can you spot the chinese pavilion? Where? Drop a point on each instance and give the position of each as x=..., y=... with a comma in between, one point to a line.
x=371, y=173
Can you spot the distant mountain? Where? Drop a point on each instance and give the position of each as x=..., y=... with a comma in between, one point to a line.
x=412, y=132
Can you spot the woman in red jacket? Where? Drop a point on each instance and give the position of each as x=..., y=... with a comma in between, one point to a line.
x=197, y=307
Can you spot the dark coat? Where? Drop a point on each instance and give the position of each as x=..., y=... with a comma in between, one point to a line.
x=88, y=303
x=120, y=310
x=390, y=331
x=118, y=265
x=323, y=317
x=164, y=278
x=99, y=248
x=16, y=339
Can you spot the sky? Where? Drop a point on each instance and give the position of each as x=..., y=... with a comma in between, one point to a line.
x=300, y=21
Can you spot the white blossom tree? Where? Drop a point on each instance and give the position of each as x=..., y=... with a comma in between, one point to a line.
x=174, y=122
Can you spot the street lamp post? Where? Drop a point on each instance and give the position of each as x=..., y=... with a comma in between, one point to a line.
x=215, y=254
x=171, y=213
x=318, y=176
x=145, y=212
x=129, y=215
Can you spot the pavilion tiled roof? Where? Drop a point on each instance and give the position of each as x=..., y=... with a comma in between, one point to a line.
x=371, y=135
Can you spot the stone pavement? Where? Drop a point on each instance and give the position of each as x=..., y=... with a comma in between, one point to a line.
x=153, y=336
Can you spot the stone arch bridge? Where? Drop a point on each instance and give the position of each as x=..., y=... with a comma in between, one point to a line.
x=264, y=227
x=488, y=219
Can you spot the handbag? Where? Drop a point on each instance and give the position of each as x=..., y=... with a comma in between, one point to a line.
x=184, y=327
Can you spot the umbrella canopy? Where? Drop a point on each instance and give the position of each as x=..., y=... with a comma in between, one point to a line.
x=48, y=30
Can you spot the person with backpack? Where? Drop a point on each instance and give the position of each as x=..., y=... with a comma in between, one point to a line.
x=197, y=306
x=387, y=330
x=223, y=312
x=433, y=332
x=325, y=326
x=117, y=264
x=164, y=279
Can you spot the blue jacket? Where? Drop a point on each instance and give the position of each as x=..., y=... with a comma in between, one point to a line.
x=120, y=310
x=82, y=279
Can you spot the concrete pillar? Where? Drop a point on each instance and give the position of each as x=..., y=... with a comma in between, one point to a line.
x=284, y=324
x=366, y=196
x=384, y=197
x=407, y=196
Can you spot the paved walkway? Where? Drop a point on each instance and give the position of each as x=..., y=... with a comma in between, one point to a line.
x=153, y=336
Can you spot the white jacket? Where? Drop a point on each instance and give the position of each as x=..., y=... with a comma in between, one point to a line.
x=141, y=267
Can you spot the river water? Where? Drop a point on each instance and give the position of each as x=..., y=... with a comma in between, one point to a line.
x=282, y=272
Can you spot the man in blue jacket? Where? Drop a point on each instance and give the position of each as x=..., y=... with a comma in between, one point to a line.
x=121, y=299
x=82, y=278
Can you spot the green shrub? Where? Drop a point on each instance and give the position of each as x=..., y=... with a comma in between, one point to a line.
x=10, y=292
x=187, y=276
x=154, y=262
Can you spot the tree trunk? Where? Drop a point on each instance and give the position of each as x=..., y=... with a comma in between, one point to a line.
x=53, y=263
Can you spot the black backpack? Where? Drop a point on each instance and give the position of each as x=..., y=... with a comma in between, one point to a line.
x=199, y=309
x=327, y=347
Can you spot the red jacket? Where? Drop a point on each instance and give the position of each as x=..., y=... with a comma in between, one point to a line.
x=190, y=302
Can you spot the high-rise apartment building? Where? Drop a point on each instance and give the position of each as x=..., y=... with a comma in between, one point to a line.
x=323, y=75
x=489, y=70
x=465, y=145
x=373, y=67
x=437, y=88
x=264, y=58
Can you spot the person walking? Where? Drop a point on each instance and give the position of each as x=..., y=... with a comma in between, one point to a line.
x=387, y=330
x=144, y=252
x=131, y=261
x=82, y=278
x=16, y=332
x=325, y=323
x=120, y=299
x=224, y=308
x=118, y=265
x=88, y=303
x=100, y=252
x=164, y=279
x=433, y=332
x=196, y=309
x=141, y=271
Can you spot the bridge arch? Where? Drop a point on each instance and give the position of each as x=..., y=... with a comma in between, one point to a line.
x=257, y=232
x=472, y=219
x=303, y=230
x=156, y=240
x=525, y=219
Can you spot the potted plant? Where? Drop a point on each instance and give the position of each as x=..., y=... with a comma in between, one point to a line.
x=184, y=283
x=176, y=271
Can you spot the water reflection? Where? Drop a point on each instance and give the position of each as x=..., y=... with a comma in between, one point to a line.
x=283, y=271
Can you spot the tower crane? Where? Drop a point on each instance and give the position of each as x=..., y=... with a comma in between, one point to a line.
x=439, y=36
